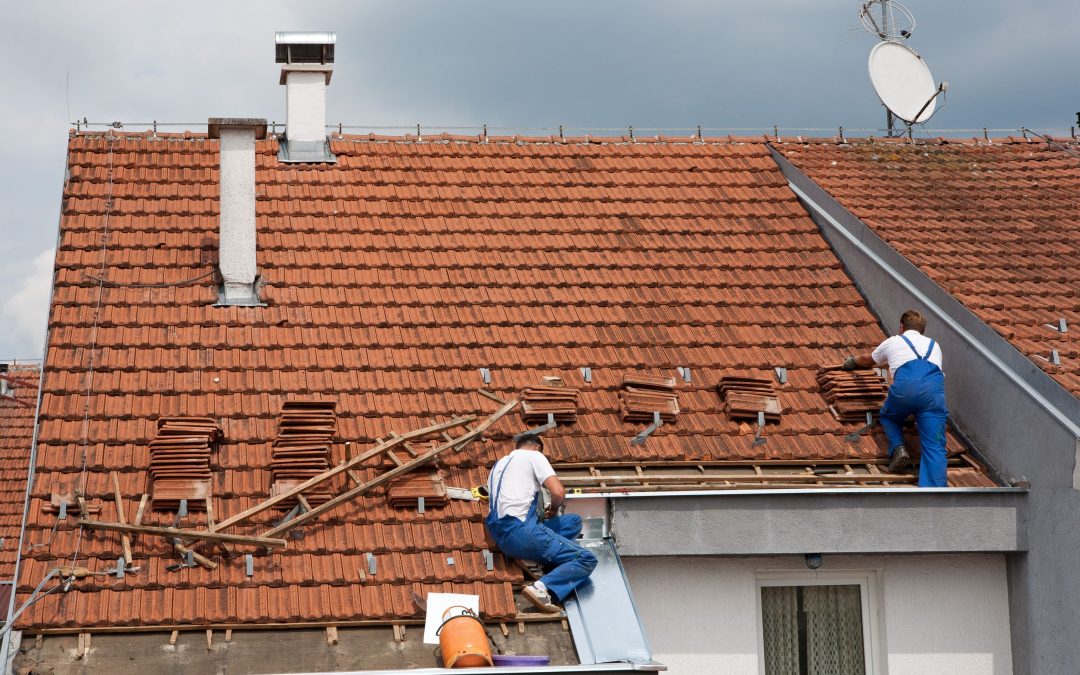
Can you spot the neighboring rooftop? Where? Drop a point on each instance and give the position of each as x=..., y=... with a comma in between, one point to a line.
x=994, y=223
x=18, y=401
x=392, y=278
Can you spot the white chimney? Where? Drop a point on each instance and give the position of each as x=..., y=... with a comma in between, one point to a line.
x=236, y=229
x=307, y=60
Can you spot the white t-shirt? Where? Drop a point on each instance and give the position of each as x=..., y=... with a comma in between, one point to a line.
x=526, y=474
x=896, y=352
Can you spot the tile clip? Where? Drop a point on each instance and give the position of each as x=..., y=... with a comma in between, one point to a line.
x=854, y=436
x=63, y=511
x=656, y=424
x=489, y=560
x=182, y=511
x=372, y=566
x=249, y=564
x=419, y=504
x=535, y=431
x=684, y=371
x=781, y=374
x=1055, y=357
x=586, y=373
x=485, y=375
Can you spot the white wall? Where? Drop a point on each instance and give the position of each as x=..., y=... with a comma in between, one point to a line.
x=937, y=614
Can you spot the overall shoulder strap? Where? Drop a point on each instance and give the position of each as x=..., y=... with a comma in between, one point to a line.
x=911, y=346
x=930, y=350
x=494, y=496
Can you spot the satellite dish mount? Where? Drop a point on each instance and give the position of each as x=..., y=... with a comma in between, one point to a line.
x=900, y=77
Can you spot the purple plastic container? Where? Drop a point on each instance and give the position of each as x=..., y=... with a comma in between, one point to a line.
x=507, y=660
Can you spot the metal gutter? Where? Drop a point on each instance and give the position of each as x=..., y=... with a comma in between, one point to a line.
x=804, y=491
x=1033, y=382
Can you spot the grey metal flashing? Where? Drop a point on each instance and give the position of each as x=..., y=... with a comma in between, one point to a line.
x=772, y=523
x=305, y=152
x=837, y=220
x=214, y=125
x=603, y=619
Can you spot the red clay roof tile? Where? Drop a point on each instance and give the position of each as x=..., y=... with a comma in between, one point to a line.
x=393, y=277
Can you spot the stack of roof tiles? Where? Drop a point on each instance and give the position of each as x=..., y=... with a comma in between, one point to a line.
x=16, y=437
x=406, y=492
x=537, y=402
x=745, y=397
x=302, y=448
x=180, y=461
x=392, y=276
x=643, y=395
x=852, y=394
x=994, y=223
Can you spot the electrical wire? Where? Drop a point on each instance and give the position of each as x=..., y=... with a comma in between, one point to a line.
x=171, y=284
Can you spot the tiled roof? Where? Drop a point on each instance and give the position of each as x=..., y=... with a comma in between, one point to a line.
x=393, y=277
x=16, y=434
x=996, y=224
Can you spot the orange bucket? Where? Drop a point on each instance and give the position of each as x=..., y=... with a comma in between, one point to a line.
x=463, y=640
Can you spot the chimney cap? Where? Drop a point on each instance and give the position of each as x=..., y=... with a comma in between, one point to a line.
x=304, y=46
x=214, y=125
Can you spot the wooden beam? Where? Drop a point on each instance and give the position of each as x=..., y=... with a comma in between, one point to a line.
x=615, y=480
x=391, y=474
x=141, y=510
x=330, y=473
x=125, y=539
x=531, y=617
x=173, y=637
x=184, y=534
x=209, y=639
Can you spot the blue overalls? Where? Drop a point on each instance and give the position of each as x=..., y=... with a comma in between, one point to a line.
x=549, y=543
x=918, y=389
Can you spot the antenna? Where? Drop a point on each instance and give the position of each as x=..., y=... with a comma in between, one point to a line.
x=900, y=77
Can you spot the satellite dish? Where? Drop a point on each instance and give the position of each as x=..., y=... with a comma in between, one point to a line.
x=903, y=82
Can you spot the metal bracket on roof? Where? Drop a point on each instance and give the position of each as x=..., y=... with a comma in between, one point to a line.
x=182, y=511
x=536, y=431
x=684, y=371
x=854, y=436
x=450, y=560
x=1061, y=327
x=372, y=566
x=485, y=375
x=489, y=560
x=781, y=374
x=759, y=438
x=63, y=511
x=1055, y=357
x=249, y=564
x=121, y=564
x=586, y=374
x=657, y=423
x=419, y=504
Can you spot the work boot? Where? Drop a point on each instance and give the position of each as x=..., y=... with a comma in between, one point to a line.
x=541, y=599
x=900, y=460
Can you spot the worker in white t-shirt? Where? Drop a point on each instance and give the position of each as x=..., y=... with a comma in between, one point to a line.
x=918, y=389
x=523, y=530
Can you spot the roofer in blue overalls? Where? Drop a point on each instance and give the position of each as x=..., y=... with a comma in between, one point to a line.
x=520, y=532
x=918, y=389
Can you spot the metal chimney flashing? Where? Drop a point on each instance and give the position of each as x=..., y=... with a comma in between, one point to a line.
x=305, y=152
x=327, y=71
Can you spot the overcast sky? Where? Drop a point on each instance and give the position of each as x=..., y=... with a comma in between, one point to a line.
x=584, y=64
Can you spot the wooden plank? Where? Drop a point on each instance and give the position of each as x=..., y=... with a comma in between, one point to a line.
x=613, y=480
x=228, y=635
x=531, y=617
x=209, y=639
x=393, y=473
x=125, y=539
x=141, y=510
x=330, y=473
x=184, y=534
x=173, y=637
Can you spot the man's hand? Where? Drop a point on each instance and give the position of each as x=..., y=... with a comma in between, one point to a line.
x=850, y=363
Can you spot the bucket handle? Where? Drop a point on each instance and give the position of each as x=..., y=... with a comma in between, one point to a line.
x=468, y=613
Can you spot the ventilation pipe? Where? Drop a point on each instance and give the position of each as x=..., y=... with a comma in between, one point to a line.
x=307, y=60
x=236, y=229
